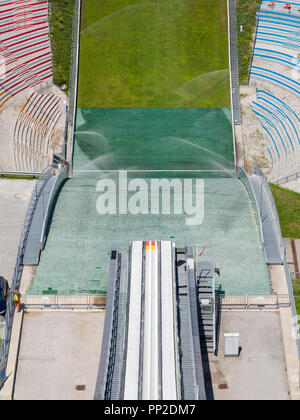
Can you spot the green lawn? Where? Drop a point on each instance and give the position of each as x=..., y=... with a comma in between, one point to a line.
x=288, y=207
x=153, y=53
x=246, y=17
x=61, y=13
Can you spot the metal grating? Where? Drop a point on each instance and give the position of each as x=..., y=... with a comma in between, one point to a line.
x=236, y=107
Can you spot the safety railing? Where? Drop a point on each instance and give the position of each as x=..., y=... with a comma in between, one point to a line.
x=70, y=302
x=255, y=302
x=40, y=183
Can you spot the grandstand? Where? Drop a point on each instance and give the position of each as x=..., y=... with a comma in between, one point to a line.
x=274, y=71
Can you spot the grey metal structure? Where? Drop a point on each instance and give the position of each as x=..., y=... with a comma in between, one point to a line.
x=74, y=76
x=273, y=250
x=235, y=87
x=190, y=383
x=193, y=384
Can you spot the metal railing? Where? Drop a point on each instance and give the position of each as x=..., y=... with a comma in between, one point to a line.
x=40, y=183
x=70, y=302
x=288, y=178
x=255, y=302
x=253, y=44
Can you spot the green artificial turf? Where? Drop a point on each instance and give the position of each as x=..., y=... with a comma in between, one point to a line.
x=288, y=207
x=153, y=53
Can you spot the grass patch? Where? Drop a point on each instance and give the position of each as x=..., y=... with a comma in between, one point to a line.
x=153, y=54
x=288, y=207
x=246, y=16
x=60, y=17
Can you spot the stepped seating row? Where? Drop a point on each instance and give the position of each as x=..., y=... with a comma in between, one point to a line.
x=34, y=129
x=24, y=46
x=281, y=124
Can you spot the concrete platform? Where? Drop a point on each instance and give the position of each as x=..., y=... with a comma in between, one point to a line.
x=59, y=356
x=259, y=373
x=14, y=199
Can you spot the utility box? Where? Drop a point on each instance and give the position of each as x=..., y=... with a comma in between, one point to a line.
x=231, y=344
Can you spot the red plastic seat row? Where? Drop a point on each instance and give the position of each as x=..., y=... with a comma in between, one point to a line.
x=39, y=81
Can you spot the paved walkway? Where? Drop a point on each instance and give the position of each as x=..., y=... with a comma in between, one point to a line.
x=14, y=198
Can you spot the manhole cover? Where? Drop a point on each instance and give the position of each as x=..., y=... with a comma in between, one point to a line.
x=80, y=387
x=223, y=386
